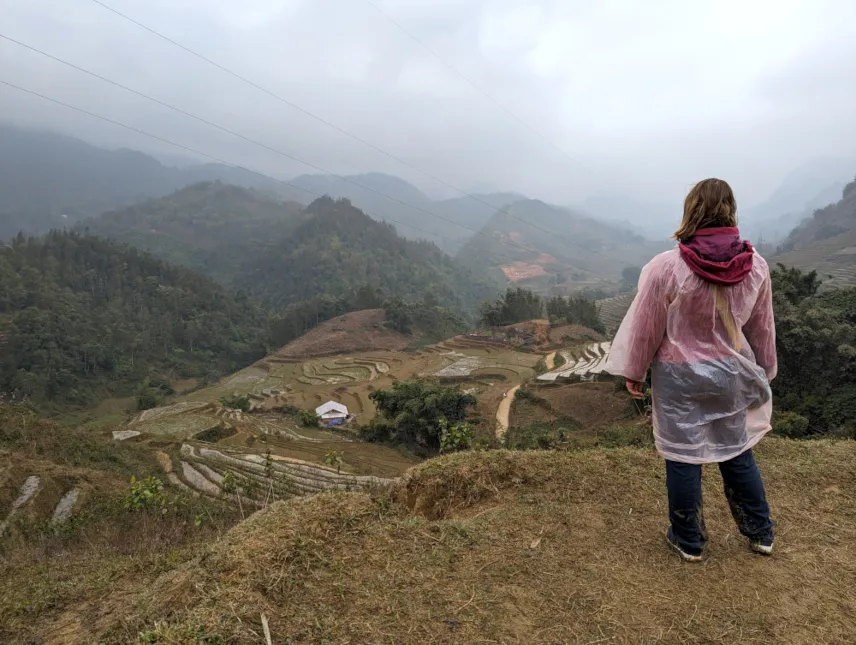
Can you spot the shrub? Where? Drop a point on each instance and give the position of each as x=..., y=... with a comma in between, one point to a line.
x=237, y=402
x=790, y=424
x=456, y=437
x=308, y=418
x=145, y=494
x=149, y=398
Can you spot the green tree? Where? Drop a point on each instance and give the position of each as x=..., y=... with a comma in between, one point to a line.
x=412, y=413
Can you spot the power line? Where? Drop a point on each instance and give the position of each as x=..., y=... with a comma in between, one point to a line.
x=263, y=145
x=337, y=128
x=481, y=91
x=263, y=175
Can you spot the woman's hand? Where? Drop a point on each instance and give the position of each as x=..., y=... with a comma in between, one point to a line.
x=635, y=389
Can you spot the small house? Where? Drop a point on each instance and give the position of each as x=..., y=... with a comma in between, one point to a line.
x=332, y=412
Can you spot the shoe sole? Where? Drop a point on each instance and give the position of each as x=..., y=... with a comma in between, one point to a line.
x=686, y=557
x=761, y=549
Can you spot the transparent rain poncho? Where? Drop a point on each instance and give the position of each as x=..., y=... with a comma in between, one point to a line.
x=712, y=351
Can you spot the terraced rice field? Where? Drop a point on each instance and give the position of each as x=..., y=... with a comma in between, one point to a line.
x=613, y=310
x=30, y=488
x=484, y=367
x=590, y=362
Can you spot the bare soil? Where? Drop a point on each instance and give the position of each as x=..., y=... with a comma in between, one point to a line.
x=591, y=405
x=354, y=332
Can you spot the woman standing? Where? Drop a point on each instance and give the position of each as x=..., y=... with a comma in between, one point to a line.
x=703, y=321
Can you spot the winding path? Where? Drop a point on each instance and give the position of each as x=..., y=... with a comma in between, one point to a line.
x=502, y=413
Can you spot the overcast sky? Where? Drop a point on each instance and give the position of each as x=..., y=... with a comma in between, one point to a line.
x=642, y=97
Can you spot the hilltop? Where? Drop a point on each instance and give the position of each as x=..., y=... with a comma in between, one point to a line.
x=49, y=180
x=359, y=331
x=285, y=254
x=577, y=252
x=536, y=547
x=209, y=227
x=338, y=249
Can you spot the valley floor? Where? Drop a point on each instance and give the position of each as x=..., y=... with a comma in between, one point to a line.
x=510, y=547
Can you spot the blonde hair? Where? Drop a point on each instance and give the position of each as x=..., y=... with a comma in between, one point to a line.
x=709, y=204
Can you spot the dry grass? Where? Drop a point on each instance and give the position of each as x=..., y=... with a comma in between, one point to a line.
x=533, y=547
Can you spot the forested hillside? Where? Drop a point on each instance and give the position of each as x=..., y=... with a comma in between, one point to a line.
x=826, y=241
x=390, y=198
x=84, y=318
x=48, y=180
x=212, y=228
x=338, y=248
x=287, y=255
x=548, y=246
x=815, y=390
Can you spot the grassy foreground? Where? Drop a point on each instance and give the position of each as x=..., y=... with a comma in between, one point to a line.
x=501, y=547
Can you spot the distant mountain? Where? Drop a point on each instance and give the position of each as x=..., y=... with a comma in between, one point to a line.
x=49, y=180
x=210, y=227
x=338, y=248
x=652, y=221
x=551, y=246
x=826, y=241
x=388, y=198
x=813, y=185
x=284, y=253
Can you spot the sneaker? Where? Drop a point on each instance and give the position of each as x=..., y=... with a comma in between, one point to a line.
x=764, y=547
x=685, y=556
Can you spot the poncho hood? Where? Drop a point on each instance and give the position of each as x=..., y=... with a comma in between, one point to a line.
x=718, y=255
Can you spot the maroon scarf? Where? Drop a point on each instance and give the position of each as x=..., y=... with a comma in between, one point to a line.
x=718, y=255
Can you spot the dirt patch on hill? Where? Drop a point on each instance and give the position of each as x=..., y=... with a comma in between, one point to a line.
x=536, y=547
x=565, y=335
x=354, y=332
x=591, y=405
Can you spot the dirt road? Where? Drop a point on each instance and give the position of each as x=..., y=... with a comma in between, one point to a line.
x=503, y=412
x=550, y=360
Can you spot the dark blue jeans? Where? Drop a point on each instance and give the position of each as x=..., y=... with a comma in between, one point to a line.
x=744, y=491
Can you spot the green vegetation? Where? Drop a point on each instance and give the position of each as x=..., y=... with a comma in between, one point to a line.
x=412, y=413
x=85, y=318
x=816, y=343
x=308, y=418
x=456, y=437
x=563, y=435
x=427, y=317
x=338, y=249
x=576, y=310
x=592, y=247
x=516, y=305
x=237, y=402
x=211, y=228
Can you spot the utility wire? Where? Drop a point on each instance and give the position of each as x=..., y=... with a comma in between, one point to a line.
x=263, y=145
x=263, y=175
x=483, y=92
x=339, y=129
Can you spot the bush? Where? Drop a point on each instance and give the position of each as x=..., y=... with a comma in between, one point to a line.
x=790, y=424
x=149, y=398
x=411, y=413
x=308, y=418
x=238, y=402
x=456, y=437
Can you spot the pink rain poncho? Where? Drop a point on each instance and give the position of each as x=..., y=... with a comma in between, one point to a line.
x=712, y=347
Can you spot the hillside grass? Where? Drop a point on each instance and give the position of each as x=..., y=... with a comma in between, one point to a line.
x=504, y=547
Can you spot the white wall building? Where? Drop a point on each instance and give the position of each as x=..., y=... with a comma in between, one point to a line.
x=331, y=410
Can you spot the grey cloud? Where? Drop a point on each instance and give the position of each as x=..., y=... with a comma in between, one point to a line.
x=644, y=98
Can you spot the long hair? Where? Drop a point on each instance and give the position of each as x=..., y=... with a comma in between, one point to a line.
x=709, y=204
